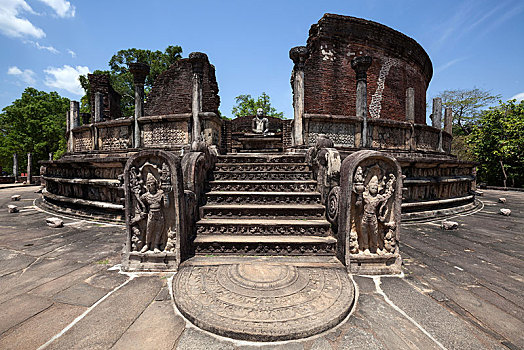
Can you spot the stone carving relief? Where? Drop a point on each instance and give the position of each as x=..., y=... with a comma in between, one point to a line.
x=165, y=134
x=343, y=135
x=154, y=211
x=368, y=235
x=376, y=100
x=115, y=138
x=369, y=207
x=83, y=141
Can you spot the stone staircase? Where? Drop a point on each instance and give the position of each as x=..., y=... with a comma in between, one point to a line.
x=263, y=204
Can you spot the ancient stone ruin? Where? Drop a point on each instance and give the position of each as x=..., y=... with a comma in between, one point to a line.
x=318, y=196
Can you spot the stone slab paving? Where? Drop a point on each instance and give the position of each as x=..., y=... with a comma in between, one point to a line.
x=461, y=289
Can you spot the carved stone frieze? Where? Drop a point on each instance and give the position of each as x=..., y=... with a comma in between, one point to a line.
x=165, y=134
x=155, y=209
x=265, y=248
x=259, y=229
x=82, y=141
x=262, y=167
x=369, y=213
x=254, y=198
x=262, y=187
x=114, y=138
x=261, y=175
x=343, y=135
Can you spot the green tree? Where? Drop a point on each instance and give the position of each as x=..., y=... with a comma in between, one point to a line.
x=34, y=123
x=122, y=79
x=247, y=105
x=498, y=144
x=466, y=106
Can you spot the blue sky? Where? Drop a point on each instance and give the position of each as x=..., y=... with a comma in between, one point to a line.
x=46, y=43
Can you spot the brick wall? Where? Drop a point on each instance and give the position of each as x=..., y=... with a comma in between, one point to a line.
x=399, y=62
x=172, y=90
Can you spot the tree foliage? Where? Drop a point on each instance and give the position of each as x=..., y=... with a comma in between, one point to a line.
x=122, y=79
x=34, y=123
x=497, y=142
x=247, y=105
x=466, y=106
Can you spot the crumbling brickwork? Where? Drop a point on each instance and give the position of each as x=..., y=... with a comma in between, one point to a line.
x=399, y=62
x=101, y=83
x=172, y=90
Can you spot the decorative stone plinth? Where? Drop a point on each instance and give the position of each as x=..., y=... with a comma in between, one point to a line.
x=150, y=261
x=263, y=301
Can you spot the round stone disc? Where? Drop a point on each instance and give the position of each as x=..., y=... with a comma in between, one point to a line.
x=263, y=301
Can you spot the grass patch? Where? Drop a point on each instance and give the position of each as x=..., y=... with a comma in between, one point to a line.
x=103, y=262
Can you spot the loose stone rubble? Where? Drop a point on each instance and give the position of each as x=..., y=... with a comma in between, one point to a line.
x=449, y=225
x=54, y=222
x=505, y=211
x=502, y=200
x=12, y=208
x=15, y=197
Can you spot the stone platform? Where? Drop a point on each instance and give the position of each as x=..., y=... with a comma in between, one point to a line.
x=263, y=300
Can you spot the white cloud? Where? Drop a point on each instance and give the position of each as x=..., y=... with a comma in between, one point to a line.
x=41, y=47
x=15, y=26
x=66, y=78
x=62, y=8
x=518, y=97
x=71, y=52
x=26, y=75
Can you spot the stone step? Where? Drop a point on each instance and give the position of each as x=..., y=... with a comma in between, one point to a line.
x=239, y=197
x=262, y=175
x=261, y=158
x=264, y=245
x=264, y=186
x=281, y=211
x=267, y=227
x=298, y=167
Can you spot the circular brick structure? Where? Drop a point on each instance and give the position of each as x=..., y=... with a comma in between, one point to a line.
x=262, y=301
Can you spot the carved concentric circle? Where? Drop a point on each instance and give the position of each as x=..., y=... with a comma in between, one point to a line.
x=263, y=301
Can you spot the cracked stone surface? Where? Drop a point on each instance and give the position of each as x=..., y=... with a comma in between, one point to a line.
x=461, y=288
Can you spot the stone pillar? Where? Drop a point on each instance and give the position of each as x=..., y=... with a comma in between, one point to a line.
x=360, y=65
x=15, y=166
x=197, y=62
x=436, y=119
x=29, y=164
x=448, y=120
x=50, y=156
x=410, y=105
x=140, y=72
x=299, y=55
x=99, y=107
x=74, y=122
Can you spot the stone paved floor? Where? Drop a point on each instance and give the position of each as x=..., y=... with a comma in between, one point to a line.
x=462, y=289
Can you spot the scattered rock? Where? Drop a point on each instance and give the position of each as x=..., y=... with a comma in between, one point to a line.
x=12, y=208
x=16, y=197
x=449, y=225
x=502, y=200
x=478, y=193
x=39, y=190
x=54, y=222
x=505, y=212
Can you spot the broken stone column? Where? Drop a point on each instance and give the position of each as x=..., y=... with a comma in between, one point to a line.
x=15, y=167
x=197, y=62
x=298, y=55
x=29, y=164
x=360, y=65
x=99, y=107
x=140, y=72
x=448, y=120
x=410, y=105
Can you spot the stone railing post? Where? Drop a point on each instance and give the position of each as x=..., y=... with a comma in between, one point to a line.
x=299, y=55
x=15, y=167
x=360, y=65
x=99, y=116
x=448, y=120
x=436, y=119
x=29, y=165
x=410, y=105
x=140, y=72
x=197, y=63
